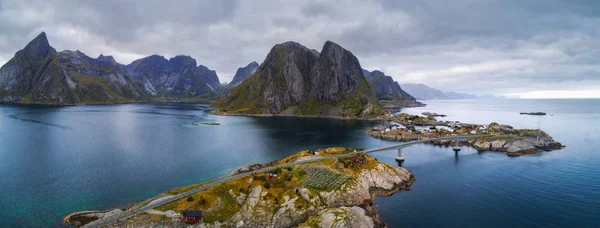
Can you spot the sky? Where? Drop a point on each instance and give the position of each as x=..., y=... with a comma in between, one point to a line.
x=518, y=48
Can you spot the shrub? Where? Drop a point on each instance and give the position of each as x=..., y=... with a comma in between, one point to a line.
x=267, y=185
x=190, y=199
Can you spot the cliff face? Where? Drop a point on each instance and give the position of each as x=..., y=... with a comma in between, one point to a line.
x=386, y=88
x=35, y=75
x=242, y=73
x=296, y=80
x=98, y=80
x=177, y=77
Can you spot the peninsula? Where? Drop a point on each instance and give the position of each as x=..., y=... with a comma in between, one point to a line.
x=333, y=187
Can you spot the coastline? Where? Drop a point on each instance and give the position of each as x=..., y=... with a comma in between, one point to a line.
x=218, y=113
x=296, y=203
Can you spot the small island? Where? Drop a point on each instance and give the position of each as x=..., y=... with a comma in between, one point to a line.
x=533, y=113
x=495, y=137
x=433, y=114
x=207, y=123
x=333, y=187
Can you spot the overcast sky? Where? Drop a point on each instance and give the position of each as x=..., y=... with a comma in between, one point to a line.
x=510, y=47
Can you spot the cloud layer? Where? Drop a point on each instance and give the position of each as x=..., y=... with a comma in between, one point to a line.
x=497, y=47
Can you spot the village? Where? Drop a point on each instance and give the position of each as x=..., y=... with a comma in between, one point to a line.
x=408, y=127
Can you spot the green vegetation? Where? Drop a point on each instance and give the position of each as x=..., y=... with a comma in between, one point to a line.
x=220, y=202
x=324, y=178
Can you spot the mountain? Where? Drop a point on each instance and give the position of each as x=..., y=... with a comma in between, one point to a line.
x=177, y=77
x=242, y=73
x=386, y=88
x=97, y=81
x=39, y=75
x=295, y=80
x=423, y=92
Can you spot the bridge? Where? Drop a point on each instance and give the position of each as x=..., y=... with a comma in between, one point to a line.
x=405, y=144
x=168, y=199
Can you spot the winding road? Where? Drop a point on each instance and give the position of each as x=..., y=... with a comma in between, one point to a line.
x=168, y=199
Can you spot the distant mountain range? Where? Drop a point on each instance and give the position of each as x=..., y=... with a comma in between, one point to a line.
x=293, y=80
x=38, y=74
x=423, y=92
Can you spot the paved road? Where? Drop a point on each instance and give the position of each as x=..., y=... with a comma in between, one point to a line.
x=168, y=199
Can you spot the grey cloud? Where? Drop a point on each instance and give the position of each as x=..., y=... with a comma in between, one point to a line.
x=497, y=47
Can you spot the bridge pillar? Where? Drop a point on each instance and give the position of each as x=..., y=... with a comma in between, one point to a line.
x=456, y=148
x=400, y=156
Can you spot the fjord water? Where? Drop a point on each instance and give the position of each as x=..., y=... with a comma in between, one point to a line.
x=56, y=160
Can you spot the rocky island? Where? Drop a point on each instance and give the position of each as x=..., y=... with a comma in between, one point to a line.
x=333, y=187
x=495, y=137
x=533, y=113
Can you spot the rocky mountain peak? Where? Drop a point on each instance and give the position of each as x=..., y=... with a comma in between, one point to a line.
x=243, y=72
x=376, y=73
x=181, y=63
x=38, y=49
x=294, y=79
x=39, y=44
x=386, y=88
x=106, y=58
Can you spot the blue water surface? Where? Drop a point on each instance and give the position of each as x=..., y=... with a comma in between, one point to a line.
x=56, y=160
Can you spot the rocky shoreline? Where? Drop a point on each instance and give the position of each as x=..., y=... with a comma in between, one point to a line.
x=495, y=137
x=219, y=113
x=291, y=199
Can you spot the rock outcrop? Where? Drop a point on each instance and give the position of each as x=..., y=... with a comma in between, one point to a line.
x=295, y=80
x=242, y=73
x=530, y=142
x=83, y=217
x=340, y=217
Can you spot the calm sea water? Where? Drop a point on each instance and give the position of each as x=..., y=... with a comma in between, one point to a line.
x=56, y=160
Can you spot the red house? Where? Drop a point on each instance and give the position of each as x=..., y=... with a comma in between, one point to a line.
x=192, y=217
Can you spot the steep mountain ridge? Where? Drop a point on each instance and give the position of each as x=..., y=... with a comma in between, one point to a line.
x=98, y=81
x=386, y=88
x=35, y=75
x=242, y=73
x=177, y=77
x=296, y=80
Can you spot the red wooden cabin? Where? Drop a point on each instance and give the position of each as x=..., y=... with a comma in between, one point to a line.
x=192, y=217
